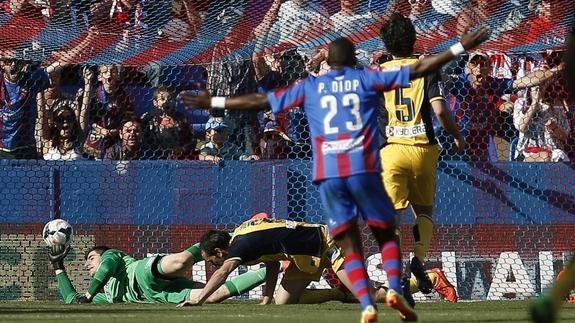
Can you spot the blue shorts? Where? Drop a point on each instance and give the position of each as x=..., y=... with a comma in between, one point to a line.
x=344, y=199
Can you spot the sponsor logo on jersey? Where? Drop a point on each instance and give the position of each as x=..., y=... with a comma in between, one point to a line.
x=405, y=132
x=342, y=146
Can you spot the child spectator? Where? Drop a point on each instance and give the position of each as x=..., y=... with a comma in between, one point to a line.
x=167, y=134
x=218, y=147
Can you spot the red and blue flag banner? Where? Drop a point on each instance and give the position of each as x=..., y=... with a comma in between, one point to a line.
x=138, y=32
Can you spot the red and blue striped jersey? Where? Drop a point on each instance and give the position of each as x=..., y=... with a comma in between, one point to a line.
x=341, y=107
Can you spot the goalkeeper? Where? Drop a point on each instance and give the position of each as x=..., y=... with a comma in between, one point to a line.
x=119, y=278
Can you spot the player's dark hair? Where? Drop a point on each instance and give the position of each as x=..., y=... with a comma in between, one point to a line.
x=341, y=53
x=98, y=249
x=398, y=35
x=132, y=119
x=214, y=239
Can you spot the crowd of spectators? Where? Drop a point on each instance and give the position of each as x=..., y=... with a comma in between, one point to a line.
x=508, y=107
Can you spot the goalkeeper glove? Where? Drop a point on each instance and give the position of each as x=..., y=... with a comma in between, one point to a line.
x=80, y=299
x=56, y=254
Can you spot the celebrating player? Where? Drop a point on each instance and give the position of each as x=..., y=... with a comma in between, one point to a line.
x=409, y=157
x=119, y=278
x=341, y=107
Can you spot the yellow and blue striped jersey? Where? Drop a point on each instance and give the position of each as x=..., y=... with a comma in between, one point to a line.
x=268, y=240
x=408, y=118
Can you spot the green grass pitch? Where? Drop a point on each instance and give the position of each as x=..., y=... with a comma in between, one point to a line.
x=244, y=311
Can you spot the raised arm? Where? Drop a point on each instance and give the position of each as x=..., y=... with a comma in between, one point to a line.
x=536, y=78
x=43, y=125
x=268, y=20
x=523, y=119
x=433, y=63
x=56, y=255
x=84, y=97
x=252, y=101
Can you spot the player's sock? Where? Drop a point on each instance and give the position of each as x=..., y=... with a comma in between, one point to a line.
x=422, y=233
x=246, y=281
x=413, y=287
x=357, y=275
x=391, y=258
x=433, y=277
x=196, y=252
x=318, y=296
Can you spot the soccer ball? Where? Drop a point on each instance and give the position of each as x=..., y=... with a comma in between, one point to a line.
x=57, y=232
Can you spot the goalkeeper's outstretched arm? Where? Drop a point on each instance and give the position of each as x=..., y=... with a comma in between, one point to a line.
x=56, y=255
x=71, y=296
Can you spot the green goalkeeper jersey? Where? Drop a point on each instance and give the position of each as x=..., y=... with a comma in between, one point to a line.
x=115, y=277
x=113, y=282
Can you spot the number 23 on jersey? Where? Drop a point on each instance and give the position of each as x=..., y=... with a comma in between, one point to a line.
x=331, y=103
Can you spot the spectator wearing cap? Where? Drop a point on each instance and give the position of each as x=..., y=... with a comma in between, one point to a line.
x=274, y=144
x=479, y=97
x=229, y=73
x=218, y=147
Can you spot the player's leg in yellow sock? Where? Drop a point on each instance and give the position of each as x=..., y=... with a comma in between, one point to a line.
x=413, y=285
x=433, y=277
x=422, y=233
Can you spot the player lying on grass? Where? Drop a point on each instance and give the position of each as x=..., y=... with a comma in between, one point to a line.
x=119, y=278
x=306, y=246
x=309, y=251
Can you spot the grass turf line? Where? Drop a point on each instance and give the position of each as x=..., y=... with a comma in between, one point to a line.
x=242, y=311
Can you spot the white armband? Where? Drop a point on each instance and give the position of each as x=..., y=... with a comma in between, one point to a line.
x=457, y=49
x=218, y=102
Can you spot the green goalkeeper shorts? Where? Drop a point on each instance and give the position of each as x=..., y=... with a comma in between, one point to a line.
x=157, y=288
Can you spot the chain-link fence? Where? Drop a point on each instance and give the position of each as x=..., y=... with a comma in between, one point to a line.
x=93, y=130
